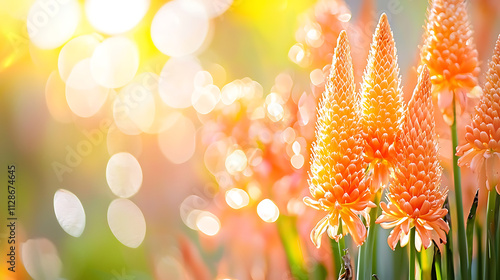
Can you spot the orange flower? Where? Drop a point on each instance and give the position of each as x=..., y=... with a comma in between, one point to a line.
x=336, y=180
x=450, y=54
x=382, y=105
x=416, y=198
x=482, y=151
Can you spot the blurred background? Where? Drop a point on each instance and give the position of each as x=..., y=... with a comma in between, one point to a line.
x=170, y=139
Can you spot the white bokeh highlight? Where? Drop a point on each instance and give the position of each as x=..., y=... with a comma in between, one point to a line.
x=268, y=211
x=180, y=28
x=124, y=174
x=176, y=82
x=126, y=222
x=40, y=259
x=207, y=223
x=114, y=62
x=136, y=104
x=237, y=198
x=75, y=51
x=84, y=96
x=115, y=16
x=51, y=23
x=69, y=212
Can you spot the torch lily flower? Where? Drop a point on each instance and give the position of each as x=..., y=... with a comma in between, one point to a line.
x=482, y=151
x=337, y=180
x=382, y=105
x=416, y=197
x=450, y=54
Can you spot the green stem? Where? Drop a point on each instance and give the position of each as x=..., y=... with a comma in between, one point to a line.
x=462, y=241
x=436, y=272
x=291, y=242
x=366, y=250
x=337, y=258
x=341, y=241
x=411, y=275
x=360, y=273
x=374, y=258
x=479, y=238
x=419, y=257
x=489, y=253
x=450, y=269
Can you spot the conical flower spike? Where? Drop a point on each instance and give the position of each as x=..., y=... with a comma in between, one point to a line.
x=450, y=54
x=482, y=151
x=416, y=197
x=382, y=105
x=336, y=179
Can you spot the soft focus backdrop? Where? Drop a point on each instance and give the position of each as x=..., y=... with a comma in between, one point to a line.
x=177, y=69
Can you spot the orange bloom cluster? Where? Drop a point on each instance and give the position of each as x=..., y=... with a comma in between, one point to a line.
x=337, y=180
x=482, y=151
x=450, y=54
x=382, y=105
x=416, y=197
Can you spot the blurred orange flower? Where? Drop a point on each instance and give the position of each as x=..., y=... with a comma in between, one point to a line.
x=382, y=105
x=337, y=182
x=482, y=151
x=450, y=54
x=416, y=197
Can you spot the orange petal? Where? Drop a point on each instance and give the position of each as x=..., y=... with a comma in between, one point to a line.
x=492, y=166
x=318, y=230
x=355, y=226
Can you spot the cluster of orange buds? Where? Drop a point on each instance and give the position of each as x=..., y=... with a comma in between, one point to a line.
x=382, y=105
x=482, y=150
x=451, y=56
x=363, y=139
x=337, y=181
x=415, y=196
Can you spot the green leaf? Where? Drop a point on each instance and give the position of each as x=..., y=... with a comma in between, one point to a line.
x=436, y=265
x=470, y=228
x=450, y=269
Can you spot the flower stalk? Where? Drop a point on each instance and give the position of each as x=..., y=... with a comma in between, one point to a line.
x=462, y=239
x=411, y=275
